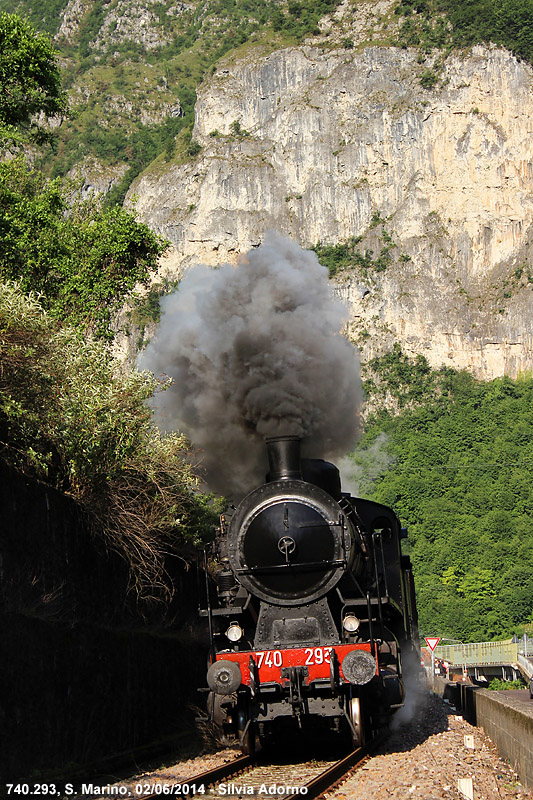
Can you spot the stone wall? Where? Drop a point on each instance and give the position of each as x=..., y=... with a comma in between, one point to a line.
x=510, y=729
x=87, y=671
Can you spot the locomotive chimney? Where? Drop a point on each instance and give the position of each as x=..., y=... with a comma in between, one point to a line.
x=283, y=458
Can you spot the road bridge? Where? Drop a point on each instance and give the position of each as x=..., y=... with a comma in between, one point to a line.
x=487, y=660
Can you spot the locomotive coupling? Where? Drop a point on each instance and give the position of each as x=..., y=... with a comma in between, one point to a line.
x=224, y=677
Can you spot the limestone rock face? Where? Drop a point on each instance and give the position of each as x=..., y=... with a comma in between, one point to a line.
x=70, y=20
x=130, y=21
x=94, y=179
x=323, y=145
x=125, y=20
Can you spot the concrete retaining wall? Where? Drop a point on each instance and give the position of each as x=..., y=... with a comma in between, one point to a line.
x=509, y=727
x=510, y=730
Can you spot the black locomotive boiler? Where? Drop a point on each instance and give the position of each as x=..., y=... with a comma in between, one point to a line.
x=314, y=607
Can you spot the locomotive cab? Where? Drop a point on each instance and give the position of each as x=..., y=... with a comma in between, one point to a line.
x=313, y=607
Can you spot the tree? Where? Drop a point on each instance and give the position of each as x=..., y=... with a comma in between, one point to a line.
x=30, y=80
x=109, y=252
x=84, y=260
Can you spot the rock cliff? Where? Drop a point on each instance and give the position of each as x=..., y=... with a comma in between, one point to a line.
x=325, y=143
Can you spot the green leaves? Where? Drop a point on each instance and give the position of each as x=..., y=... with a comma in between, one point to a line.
x=30, y=80
x=346, y=255
x=402, y=380
x=85, y=260
x=446, y=23
x=108, y=253
x=72, y=416
x=460, y=477
x=69, y=413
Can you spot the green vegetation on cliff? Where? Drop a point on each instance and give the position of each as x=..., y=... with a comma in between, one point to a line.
x=446, y=23
x=44, y=15
x=349, y=257
x=133, y=84
x=455, y=460
x=83, y=260
x=132, y=77
x=70, y=414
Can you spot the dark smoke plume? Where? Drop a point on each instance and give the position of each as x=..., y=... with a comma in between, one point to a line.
x=255, y=350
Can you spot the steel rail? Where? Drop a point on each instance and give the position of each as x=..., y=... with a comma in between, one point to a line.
x=333, y=775
x=327, y=779
x=209, y=777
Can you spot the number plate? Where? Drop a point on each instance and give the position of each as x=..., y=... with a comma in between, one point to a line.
x=269, y=663
x=274, y=658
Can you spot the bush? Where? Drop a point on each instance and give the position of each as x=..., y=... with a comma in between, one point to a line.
x=193, y=148
x=346, y=255
x=71, y=416
x=498, y=685
x=429, y=79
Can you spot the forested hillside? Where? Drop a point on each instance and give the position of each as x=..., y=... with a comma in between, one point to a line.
x=455, y=460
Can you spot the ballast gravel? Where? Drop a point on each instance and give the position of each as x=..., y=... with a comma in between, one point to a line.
x=437, y=755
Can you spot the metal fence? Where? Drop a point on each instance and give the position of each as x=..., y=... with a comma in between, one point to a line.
x=526, y=665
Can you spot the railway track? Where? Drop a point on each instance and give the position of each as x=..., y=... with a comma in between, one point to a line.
x=259, y=777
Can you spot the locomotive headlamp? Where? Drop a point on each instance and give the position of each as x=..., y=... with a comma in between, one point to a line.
x=234, y=632
x=350, y=623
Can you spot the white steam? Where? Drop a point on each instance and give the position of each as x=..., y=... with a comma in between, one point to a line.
x=256, y=350
x=373, y=462
x=415, y=689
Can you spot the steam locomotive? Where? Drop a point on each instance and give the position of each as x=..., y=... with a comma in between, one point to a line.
x=313, y=608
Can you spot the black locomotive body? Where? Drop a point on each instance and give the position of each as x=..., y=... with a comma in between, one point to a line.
x=313, y=610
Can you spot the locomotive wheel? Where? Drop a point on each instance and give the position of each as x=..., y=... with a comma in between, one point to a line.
x=356, y=718
x=248, y=741
x=246, y=733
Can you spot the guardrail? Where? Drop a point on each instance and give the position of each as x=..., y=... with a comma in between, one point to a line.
x=526, y=665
